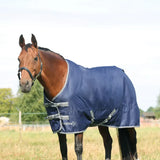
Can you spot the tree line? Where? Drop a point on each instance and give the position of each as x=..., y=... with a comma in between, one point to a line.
x=33, y=103
x=30, y=104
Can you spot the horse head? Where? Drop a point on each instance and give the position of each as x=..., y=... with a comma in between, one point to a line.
x=30, y=64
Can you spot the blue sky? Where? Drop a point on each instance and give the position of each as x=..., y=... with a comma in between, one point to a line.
x=91, y=33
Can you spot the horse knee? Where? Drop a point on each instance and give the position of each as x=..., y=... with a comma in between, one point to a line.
x=79, y=145
x=78, y=149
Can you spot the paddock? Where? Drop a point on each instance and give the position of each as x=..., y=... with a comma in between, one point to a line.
x=38, y=142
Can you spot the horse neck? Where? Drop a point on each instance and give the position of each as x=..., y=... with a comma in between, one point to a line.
x=53, y=74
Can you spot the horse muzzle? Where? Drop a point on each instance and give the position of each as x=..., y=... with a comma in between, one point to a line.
x=25, y=85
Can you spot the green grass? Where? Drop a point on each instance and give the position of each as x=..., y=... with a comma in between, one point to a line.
x=43, y=145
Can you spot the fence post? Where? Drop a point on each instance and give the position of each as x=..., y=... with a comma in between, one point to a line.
x=20, y=125
x=20, y=119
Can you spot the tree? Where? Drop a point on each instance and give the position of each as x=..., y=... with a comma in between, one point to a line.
x=31, y=104
x=157, y=109
x=150, y=109
x=141, y=112
x=6, y=100
x=157, y=112
x=158, y=101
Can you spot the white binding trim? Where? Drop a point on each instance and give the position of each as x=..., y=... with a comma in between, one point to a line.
x=71, y=132
x=119, y=126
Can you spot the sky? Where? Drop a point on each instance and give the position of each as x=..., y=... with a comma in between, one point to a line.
x=91, y=33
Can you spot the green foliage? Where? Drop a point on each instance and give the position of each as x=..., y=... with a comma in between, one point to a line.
x=158, y=101
x=6, y=100
x=150, y=109
x=31, y=102
x=141, y=112
x=155, y=110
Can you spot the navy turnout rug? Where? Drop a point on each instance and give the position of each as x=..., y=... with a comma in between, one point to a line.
x=93, y=96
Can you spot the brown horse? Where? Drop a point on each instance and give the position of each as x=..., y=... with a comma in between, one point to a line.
x=51, y=70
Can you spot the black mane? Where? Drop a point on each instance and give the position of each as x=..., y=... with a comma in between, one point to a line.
x=42, y=48
x=29, y=45
x=46, y=49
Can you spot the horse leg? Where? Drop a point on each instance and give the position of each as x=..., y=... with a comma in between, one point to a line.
x=63, y=145
x=124, y=144
x=107, y=141
x=79, y=145
x=133, y=142
x=127, y=143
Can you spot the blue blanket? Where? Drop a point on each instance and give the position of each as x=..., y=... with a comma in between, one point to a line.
x=93, y=96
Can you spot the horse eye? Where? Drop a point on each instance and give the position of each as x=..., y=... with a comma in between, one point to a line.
x=36, y=58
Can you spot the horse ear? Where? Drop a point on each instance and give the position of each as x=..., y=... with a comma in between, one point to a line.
x=34, y=41
x=21, y=41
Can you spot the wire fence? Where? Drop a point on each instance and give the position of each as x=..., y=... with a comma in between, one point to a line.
x=15, y=121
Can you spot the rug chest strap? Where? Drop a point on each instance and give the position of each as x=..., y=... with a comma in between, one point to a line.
x=57, y=116
x=60, y=104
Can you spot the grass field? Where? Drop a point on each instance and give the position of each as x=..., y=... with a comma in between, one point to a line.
x=43, y=145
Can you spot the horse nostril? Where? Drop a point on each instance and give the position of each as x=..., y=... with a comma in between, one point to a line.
x=27, y=83
x=24, y=83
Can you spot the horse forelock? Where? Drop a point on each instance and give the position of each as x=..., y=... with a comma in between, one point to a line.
x=27, y=46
